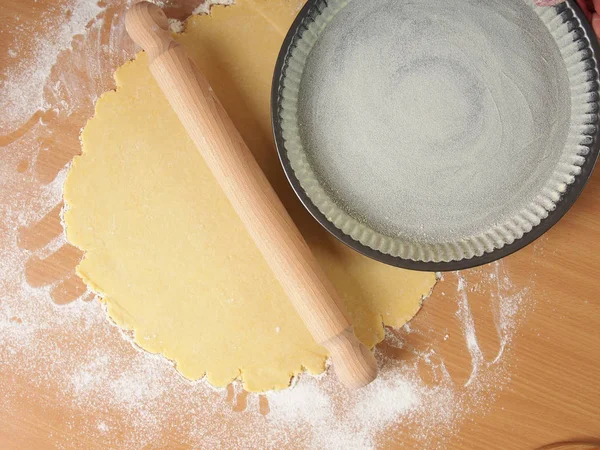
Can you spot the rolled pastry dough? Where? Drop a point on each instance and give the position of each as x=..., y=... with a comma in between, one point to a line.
x=164, y=247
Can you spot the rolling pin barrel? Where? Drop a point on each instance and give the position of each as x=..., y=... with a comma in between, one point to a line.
x=251, y=195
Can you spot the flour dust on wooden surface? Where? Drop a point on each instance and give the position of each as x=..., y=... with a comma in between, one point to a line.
x=60, y=353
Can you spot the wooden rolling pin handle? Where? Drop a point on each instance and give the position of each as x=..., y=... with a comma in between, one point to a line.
x=251, y=195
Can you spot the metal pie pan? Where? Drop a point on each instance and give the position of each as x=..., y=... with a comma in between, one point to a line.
x=567, y=19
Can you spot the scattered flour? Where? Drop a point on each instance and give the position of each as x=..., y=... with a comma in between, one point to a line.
x=466, y=319
x=72, y=358
x=176, y=26
x=22, y=83
x=98, y=374
x=400, y=394
x=204, y=7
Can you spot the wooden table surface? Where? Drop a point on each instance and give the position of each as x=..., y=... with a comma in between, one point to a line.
x=553, y=391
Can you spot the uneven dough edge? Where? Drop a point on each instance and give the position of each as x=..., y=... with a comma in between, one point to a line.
x=367, y=328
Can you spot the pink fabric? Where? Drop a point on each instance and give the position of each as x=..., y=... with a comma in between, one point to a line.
x=589, y=7
x=586, y=6
x=548, y=2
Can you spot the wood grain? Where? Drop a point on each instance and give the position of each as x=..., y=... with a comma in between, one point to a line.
x=552, y=400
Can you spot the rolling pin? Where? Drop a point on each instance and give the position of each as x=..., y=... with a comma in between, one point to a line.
x=251, y=195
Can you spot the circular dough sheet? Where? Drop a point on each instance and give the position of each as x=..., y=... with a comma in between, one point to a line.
x=165, y=249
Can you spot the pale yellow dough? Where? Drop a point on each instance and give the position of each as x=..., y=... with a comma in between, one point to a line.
x=166, y=250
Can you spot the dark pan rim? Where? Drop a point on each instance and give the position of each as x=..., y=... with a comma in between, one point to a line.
x=571, y=194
